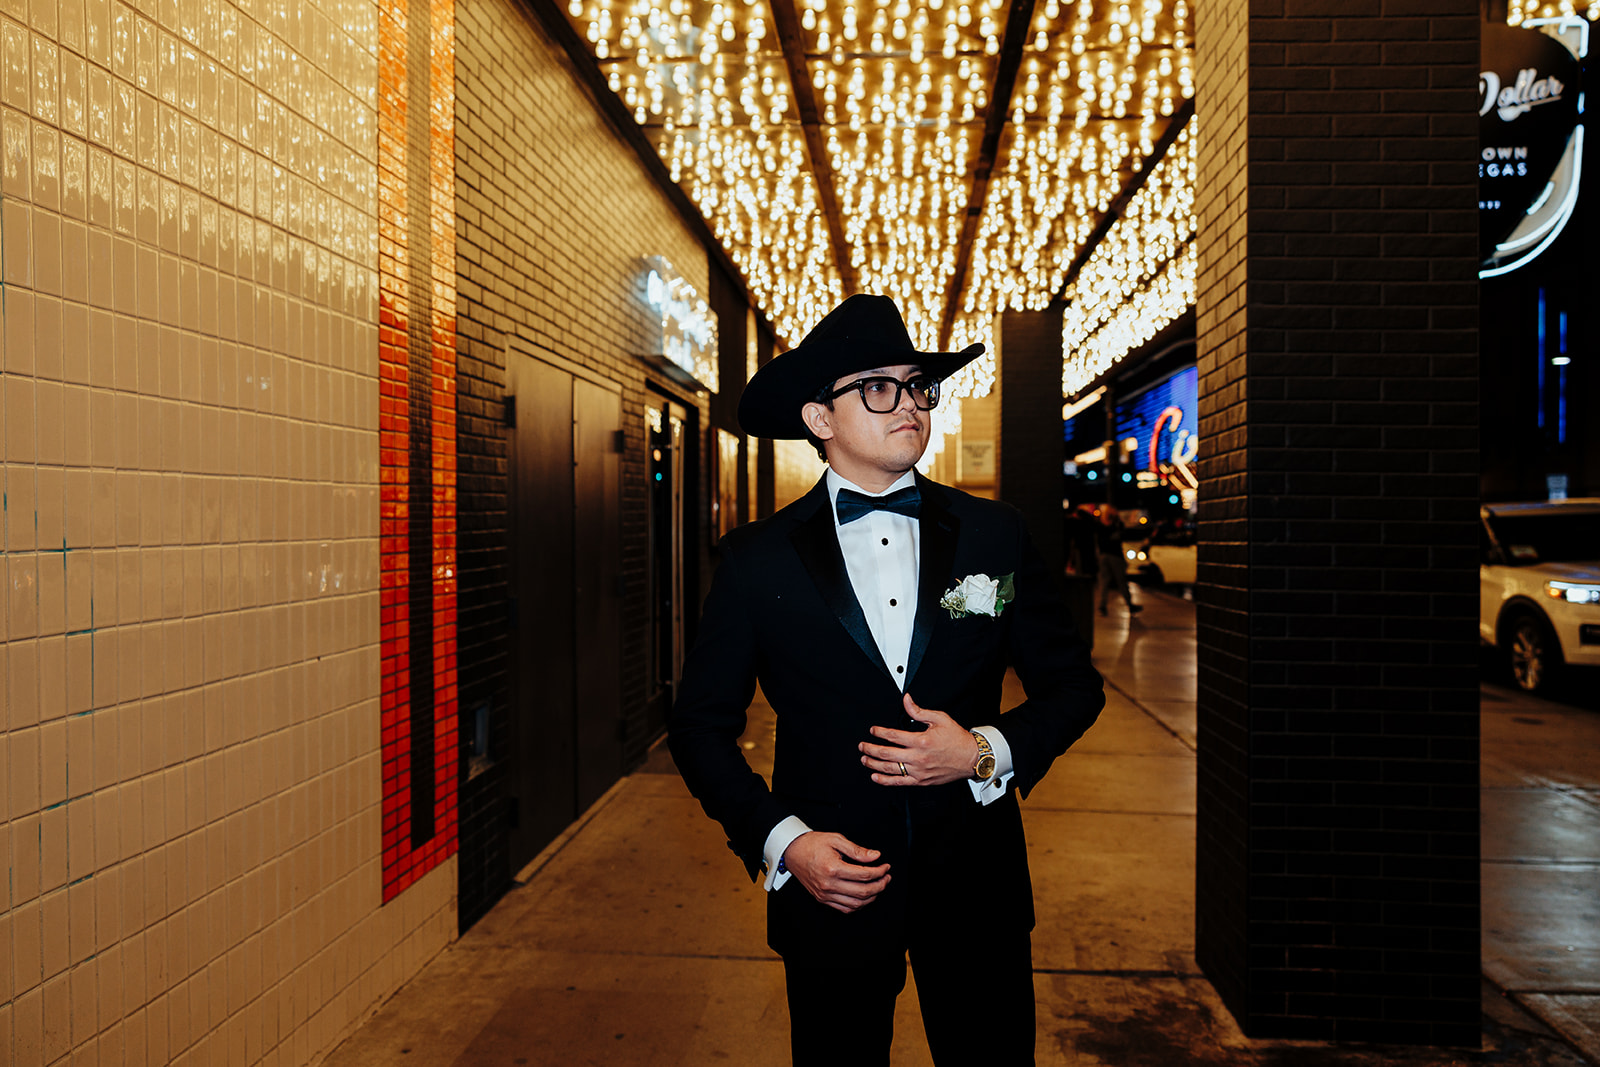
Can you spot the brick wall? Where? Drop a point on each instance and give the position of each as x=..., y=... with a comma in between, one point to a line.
x=1338, y=890
x=553, y=215
x=1223, y=574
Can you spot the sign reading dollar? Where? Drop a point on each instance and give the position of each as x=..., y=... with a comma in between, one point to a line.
x=1530, y=115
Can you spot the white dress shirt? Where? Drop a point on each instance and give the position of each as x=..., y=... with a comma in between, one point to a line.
x=882, y=553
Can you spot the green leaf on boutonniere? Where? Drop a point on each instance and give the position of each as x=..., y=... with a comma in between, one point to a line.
x=1006, y=593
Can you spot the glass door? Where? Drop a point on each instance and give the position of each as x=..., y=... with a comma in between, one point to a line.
x=665, y=423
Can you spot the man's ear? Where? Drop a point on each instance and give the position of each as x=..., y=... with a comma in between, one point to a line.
x=815, y=416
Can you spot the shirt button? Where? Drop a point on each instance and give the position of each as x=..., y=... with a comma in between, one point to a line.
x=900, y=670
x=893, y=602
x=885, y=540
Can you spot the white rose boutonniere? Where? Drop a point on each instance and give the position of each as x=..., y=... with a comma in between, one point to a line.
x=979, y=594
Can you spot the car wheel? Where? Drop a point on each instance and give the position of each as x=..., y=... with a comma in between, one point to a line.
x=1535, y=655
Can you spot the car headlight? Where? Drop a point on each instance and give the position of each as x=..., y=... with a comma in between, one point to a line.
x=1573, y=592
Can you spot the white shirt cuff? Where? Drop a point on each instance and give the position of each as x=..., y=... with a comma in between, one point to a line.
x=995, y=788
x=778, y=841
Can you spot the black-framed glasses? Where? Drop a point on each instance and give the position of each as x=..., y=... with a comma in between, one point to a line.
x=881, y=395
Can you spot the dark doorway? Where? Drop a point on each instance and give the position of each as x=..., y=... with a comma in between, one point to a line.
x=565, y=619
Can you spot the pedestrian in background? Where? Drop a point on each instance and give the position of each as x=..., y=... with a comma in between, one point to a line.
x=1113, y=561
x=1083, y=556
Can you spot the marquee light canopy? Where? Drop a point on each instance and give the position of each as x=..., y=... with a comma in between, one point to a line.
x=1141, y=276
x=953, y=154
x=1518, y=11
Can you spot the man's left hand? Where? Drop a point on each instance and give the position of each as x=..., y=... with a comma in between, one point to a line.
x=945, y=752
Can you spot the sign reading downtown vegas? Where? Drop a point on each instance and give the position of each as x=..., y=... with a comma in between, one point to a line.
x=1530, y=132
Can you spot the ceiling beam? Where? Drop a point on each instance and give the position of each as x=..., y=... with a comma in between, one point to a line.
x=1018, y=23
x=805, y=99
x=1180, y=118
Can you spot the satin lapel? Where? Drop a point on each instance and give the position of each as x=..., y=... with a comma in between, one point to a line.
x=939, y=530
x=817, y=544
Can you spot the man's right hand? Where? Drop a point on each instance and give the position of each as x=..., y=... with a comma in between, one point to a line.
x=823, y=863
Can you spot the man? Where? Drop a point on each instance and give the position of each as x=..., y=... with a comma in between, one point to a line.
x=879, y=613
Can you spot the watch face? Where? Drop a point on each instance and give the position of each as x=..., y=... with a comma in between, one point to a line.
x=985, y=767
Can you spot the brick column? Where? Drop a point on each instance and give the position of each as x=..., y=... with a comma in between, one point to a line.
x=1029, y=448
x=1337, y=867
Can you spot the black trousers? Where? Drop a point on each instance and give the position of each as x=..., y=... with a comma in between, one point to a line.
x=976, y=997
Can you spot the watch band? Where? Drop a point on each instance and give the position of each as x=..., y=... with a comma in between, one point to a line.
x=984, y=768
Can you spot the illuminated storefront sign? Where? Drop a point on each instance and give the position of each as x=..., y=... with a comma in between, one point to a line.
x=1530, y=162
x=688, y=325
x=1159, y=428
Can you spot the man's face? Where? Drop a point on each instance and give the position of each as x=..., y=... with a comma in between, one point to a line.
x=866, y=446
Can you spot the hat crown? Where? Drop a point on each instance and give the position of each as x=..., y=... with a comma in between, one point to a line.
x=861, y=327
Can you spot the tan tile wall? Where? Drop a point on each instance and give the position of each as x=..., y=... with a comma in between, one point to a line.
x=189, y=744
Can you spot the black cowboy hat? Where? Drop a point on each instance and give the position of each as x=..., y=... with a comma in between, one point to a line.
x=863, y=332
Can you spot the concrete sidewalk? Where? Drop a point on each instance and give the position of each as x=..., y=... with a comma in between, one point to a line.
x=1540, y=781
x=636, y=939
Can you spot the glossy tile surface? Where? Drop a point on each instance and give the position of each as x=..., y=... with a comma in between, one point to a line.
x=416, y=435
x=190, y=568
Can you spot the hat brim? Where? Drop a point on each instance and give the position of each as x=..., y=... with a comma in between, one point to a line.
x=770, y=406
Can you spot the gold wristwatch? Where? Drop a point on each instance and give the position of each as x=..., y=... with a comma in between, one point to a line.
x=983, y=770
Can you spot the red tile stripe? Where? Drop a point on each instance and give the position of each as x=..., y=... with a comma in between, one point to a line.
x=403, y=864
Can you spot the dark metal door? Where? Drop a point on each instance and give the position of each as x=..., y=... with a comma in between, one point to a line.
x=543, y=765
x=597, y=573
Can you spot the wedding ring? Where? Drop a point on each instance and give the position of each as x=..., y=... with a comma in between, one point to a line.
x=903, y=772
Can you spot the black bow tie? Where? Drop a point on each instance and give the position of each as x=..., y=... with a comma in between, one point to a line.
x=852, y=505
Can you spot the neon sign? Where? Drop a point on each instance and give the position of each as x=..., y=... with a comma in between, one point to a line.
x=1530, y=118
x=688, y=325
x=1181, y=449
x=1158, y=427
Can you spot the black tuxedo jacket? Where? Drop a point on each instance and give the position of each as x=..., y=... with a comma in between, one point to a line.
x=782, y=612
